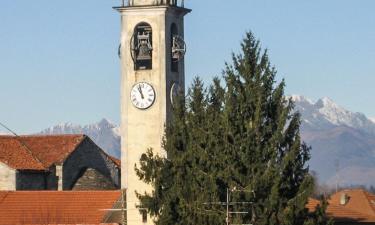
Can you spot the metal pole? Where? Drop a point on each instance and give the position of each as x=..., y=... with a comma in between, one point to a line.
x=227, y=206
x=123, y=207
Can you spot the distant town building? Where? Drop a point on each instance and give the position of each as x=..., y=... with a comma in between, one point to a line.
x=56, y=162
x=349, y=207
x=58, y=207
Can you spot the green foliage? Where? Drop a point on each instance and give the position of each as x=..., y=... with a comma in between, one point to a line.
x=242, y=135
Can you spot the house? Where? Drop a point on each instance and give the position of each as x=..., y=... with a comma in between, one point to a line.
x=56, y=162
x=57, y=207
x=349, y=207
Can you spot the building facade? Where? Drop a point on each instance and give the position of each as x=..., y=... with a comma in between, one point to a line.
x=59, y=162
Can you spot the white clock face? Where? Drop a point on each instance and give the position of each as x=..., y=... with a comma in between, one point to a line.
x=142, y=95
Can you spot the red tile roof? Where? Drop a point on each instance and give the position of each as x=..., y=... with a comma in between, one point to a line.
x=16, y=155
x=37, y=152
x=40, y=152
x=312, y=204
x=359, y=200
x=55, y=207
x=359, y=208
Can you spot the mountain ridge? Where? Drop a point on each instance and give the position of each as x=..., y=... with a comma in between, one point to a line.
x=341, y=140
x=104, y=133
x=325, y=113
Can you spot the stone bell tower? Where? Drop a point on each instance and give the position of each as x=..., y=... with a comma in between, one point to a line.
x=151, y=52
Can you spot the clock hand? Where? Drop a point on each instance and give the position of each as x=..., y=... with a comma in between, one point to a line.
x=140, y=91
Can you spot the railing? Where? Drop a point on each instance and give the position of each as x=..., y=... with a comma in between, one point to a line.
x=178, y=3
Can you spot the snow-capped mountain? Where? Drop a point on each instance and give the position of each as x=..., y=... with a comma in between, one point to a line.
x=341, y=140
x=372, y=119
x=325, y=113
x=104, y=133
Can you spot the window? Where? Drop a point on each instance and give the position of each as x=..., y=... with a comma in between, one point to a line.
x=174, y=58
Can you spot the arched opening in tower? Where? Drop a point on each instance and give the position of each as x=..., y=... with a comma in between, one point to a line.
x=141, y=47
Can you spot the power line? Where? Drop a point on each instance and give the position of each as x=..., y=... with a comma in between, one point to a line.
x=18, y=138
x=8, y=129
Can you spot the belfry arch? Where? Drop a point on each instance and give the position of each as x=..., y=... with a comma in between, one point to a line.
x=141, y=46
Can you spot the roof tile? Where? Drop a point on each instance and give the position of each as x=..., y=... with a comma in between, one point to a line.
x=359, y=208
x=37, y=152
x=53, y=207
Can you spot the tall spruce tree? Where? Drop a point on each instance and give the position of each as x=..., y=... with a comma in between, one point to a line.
x=243, y=137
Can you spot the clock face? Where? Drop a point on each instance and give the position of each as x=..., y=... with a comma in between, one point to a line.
x=142, y=95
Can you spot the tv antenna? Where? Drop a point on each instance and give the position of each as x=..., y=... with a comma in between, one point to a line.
x=122, y=208
x=337, y=167
x=229, y=203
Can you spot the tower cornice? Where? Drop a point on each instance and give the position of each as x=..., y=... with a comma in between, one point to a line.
x=179, y=10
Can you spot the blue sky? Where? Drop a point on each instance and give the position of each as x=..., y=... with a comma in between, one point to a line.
x=58, y=59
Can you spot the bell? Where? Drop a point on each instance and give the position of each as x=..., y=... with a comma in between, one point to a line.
x=144, y=47
x=178, y=48
x=144, y=53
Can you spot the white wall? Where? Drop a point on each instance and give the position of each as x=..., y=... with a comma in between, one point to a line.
x=7, y=178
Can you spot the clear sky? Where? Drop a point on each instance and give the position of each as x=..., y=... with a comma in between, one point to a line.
x=58, y=59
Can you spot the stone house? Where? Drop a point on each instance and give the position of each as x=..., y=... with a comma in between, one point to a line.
x=56, y=162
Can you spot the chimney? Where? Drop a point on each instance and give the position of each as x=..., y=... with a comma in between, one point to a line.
x=344, y=199
x=59, y=175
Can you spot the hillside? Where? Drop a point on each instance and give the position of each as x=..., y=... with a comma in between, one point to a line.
x=341, y=141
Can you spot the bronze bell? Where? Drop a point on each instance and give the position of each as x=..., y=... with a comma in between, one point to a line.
x=144, y=47
x=178, y=48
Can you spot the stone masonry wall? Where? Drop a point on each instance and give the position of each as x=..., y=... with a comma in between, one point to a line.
x=88, y=156
x=93, y=180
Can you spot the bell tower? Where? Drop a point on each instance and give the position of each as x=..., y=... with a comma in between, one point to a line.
x=151, y=52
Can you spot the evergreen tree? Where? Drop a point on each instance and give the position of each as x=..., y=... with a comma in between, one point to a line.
x=243, y=137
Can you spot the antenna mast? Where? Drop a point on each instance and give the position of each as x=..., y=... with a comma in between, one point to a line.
x=337, y=166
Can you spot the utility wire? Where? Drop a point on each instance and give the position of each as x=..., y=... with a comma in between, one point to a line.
x=18, y=138
x=8, y=129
